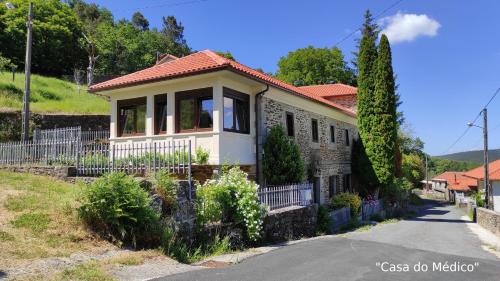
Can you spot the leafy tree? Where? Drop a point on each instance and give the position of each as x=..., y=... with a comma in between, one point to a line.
x=56, y=31
x=312, y=66
x=438, y=166
x=282, y=161
x=140, y=22
x=5, y=63
x=227, y=55
x=366, y=87
x=371, y=29
x=384, y=122
x=413, y=168
x=174, y=33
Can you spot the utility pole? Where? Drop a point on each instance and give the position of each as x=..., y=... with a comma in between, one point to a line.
x=27, y=79
x=489, y=203
x=426, y=174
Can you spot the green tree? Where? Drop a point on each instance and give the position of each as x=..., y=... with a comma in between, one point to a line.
x=282, y=161
x=413, y=168
x=312, y=66
x=56, y=33
x=174, y=33
x=384, y=119
x=140, y=22
x=371, y=29
x=227, y=55
x=366, y=87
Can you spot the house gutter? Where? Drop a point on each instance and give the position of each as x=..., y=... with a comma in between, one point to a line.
x=258, y=97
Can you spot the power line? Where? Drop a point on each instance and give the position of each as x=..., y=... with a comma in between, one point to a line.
x=375, y=17
x=473, y=122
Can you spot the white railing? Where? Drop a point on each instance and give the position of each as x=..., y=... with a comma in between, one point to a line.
x=282, y=196
x=70, y=134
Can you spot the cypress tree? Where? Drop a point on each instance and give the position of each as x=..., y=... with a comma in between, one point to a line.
x=384, y=122
x=367, y=57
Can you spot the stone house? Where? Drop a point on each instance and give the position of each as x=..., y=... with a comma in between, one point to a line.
x=227, y=109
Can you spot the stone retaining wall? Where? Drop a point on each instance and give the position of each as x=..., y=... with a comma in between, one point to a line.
x=488, y=219
x=60, y=172
x=290, y=223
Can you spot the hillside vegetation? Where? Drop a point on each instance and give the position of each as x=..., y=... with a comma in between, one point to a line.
x=472, y=156
x=49, y=95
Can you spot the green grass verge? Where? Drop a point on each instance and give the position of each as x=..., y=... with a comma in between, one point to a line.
x=49, y=95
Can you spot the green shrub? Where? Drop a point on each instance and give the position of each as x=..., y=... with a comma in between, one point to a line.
x=166, y=186
x=230, y=198
x=479, y=199
x=324, y=220
x=399, y=190
x=202, y=155
x=282, y=161
x=346, y=199
x=117, y=207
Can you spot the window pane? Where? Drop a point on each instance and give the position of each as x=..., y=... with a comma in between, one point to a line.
x=241, y=114
x=347, y=140
x=161, y=117
x=315, y=130
x=206, y=113
x=186, y=114
x=332, y=133
x=141, y=119
x=228, y=113
x=127, y=121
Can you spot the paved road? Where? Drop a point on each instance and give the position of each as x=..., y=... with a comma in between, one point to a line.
x=437, y=235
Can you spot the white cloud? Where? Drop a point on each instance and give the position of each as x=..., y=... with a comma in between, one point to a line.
x=407, y=27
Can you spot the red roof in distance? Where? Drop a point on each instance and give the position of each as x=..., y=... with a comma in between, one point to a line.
x=202, y=62
x=457, y=181
x=331, y=90
x=493, y=170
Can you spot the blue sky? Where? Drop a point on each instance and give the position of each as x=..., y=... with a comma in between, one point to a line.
x=446, y=54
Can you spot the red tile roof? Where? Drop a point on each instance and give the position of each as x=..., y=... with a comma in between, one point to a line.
x=478, y=173
x=457, y=181
x=202, y=62
x=330, y=90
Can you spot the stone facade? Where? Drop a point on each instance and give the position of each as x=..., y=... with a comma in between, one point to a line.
x=488, y=219
x=323, y=158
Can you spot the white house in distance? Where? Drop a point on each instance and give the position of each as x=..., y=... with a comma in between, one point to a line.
x=494, y=178
x=227, y=109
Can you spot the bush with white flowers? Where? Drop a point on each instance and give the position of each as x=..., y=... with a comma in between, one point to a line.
x=231, y=198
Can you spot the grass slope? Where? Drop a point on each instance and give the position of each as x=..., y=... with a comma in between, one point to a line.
x=38, y=220
x=49, y=95
x=472, y=156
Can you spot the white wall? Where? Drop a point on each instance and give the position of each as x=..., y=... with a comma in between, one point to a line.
x=496, y=195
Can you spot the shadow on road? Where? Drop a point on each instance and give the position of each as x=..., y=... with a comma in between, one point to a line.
x=430, y=213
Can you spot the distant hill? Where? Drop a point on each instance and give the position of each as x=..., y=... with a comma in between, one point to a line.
x=472, y=156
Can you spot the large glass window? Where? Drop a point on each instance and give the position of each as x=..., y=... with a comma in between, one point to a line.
x=160, y=114
x=132, y=117
x=236, y=111
x=194, y=110
x=314, y=127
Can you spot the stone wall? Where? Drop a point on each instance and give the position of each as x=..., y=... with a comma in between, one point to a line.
x=10, y=123
x=60, y=172
x=324, y=158
x=488, y=219
x=290, y=223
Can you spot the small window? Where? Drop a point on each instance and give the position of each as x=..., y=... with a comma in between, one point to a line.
x=314, y=127
x=290, y=123
x=347, y=138
x=346, y=183
x=333, y=185
x=332, y=133
x=160, y=114
x=236, y=111
x=132, y=117
x=194, y=110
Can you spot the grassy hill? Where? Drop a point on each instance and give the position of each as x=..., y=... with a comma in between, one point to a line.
x=49, y=95
x=472, y=156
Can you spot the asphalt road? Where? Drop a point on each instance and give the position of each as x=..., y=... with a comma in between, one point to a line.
x=437, y=238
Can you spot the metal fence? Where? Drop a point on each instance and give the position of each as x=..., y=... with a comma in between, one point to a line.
x=71, y=134
x=138, y=159
x=281, y=196
x=98, y=158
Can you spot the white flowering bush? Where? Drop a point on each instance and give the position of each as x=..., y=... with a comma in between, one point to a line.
x=231, y=198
